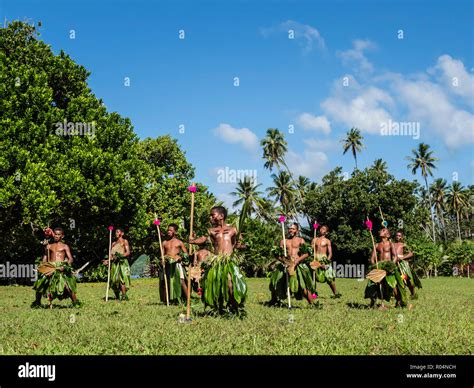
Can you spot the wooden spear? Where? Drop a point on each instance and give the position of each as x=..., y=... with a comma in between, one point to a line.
x=111, y=228
x=157, y=223
x=192, y=189
x=282, y=221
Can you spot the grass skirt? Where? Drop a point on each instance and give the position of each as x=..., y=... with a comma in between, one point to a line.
x=386, y=288
x=300, y=281
x=215, y=290
x=119, y=273
x=58, y=285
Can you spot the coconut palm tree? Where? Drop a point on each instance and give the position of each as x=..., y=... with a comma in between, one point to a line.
x=380, y=166
x=283, y=191
x=247, y=190
x=438, y=192
x=274, y=149
x=423, y=160
x=353, y=142
x=458, y=201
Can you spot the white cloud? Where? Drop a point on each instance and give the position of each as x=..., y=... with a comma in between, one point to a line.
x=315, y=123
x=309, y=163
x=365, y=110
x=355, y=57
x=242, y=136
x=452, y=73
x=307, y=36
x=428, y=103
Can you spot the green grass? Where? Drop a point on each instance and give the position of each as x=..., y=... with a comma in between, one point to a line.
x=439, y=323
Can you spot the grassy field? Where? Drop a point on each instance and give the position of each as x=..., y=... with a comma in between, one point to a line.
x=438, y=324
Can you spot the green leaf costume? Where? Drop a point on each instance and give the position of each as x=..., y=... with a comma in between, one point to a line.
x=298, y=282
x=59, y=285
x=173, y=276
x=119, y=273
x=412, y=277
x=219, y=269
x=324, y=275
x=392, y=280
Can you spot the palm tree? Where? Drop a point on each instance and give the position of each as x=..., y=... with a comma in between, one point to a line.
x=247, y=190
x=458, y=201
x=422, y=159
x=353, y=142
x=274, y=150
x=438, y=193
x=283, y=191
x=380, y=166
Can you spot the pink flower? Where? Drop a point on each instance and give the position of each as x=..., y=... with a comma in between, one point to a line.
x=156, y=222
x=282, y=219
x=315, y=225
x=111, y=227
x=368, y=224
x=314, y=296
x=192, y=189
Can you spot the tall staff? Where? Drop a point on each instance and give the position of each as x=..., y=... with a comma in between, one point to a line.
x=192, y=189
x=111, y=228
x=315, y=227
x=157, y=223
x=282, y=222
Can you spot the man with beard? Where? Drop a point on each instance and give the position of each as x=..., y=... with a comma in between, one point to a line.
x=408, y=273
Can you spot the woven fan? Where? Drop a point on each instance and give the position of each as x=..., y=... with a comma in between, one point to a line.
x=376, y=275
x=46, y=268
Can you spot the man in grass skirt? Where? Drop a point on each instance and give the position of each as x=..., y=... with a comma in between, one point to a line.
x=174, y=251
x=56, y=279
x=322, y=264
x=299, y=274
x=409, y=275
x=392, y=283
x=119, y=266
x=224, y=288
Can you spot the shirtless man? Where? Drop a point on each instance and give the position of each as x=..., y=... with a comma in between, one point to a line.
x=386, y=252
x=56, y=253
x=293, y=245
x=120, y=252
x=399, y=247
x=323, y=249
x=172, y=248
x=224, y=239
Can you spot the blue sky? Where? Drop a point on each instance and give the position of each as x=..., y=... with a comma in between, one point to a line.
x=364, y=64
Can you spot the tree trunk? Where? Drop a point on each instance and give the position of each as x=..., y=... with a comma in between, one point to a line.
x=431, y=210
x=459, y=225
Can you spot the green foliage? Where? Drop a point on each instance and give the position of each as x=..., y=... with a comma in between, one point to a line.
x=82, y=183
x=344, y=204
